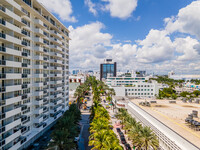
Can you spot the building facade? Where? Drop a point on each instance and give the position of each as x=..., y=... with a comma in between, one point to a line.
x=108, y=68
x=77, y=79
x=34, y=52
x=125, y=80
x=140, y=89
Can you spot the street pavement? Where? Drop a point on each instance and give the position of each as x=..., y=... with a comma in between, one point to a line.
x=84, y=135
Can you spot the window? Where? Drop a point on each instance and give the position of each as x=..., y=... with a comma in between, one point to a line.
x=27, y=2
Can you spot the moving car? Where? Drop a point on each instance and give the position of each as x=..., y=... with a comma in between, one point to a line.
x=123, y=140
x=118, y=130
x=127, y=146
x=121, y=133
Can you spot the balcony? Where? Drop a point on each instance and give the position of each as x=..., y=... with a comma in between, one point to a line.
x=38, y=48
x=12, y=100
x=10, y=88
x=55, y=33
x=38, y=40
x=38, y=75
x=10, y=76
x=9, y=38
x=38, y=57
x=10, y=63
x=14, y=111
x=12, y=124
x=59, y=68
x=39, y=31
x=38, y=84
x=38, y=93
x=7, y=25
x=14, y=4
x=13, y=136
x=56, y=82
x=38, y=110
x=38, y=101
x=39, y=22
x=10, y=51
x=4, y=12
x=38, y=119
x=38, y=66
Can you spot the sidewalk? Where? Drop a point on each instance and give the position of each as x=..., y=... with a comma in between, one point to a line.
x=114, y=121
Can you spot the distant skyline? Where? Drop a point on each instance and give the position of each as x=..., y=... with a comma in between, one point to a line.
x=153, y=35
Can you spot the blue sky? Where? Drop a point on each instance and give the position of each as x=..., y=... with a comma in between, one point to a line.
x=150, y=12
x=156, y=35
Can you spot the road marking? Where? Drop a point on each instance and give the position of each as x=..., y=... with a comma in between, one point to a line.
x=176, y=123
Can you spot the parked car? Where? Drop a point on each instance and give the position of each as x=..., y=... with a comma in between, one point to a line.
x=121, y=133
x=127, y=146
x=123, y=140
x=118, y=129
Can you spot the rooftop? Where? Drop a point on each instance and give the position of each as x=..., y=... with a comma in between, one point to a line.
x=173, y=115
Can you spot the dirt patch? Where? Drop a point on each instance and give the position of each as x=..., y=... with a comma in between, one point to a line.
x=161, y=106
x=189, y=106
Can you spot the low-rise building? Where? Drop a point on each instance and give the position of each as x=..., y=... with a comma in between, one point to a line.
x=126, y=80
x=140, y=89
x=77, y=79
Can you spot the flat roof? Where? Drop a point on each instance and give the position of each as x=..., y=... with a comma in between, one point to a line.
x=173, y=116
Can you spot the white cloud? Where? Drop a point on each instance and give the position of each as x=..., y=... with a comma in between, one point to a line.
x=156, y=47
x=62, y=8
x=122, y=53
x=91, y=6
x=88, y=36
x=185, y=46
x=187, y=20
x=160, y=51
x=88, y=44
x=121, y=8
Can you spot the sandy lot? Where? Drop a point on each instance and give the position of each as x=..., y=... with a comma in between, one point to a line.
x=173, y=115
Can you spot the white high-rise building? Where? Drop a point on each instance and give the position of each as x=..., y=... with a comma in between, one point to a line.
x=34, y=53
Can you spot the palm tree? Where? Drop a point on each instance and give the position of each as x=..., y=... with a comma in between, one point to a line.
x=104, y=140
x=99, y=124
x=62, y=140
x=129, y=123
x=122, y=115
x=112, y=143
x=97, y=139
x=80, y=92
x=102, y=137
x=147, y=139
x=134, y=132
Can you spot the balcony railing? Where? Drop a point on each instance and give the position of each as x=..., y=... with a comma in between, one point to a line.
x=2, y=49
x=2, y=21
x=2, y=35
x=2, y=8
